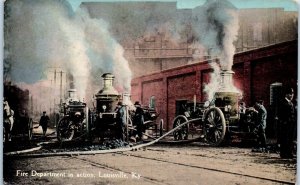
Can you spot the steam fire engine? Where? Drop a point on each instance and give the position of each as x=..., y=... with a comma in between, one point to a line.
x=80, y=122
x=224, y=115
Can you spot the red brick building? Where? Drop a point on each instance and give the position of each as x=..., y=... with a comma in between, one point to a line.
x=146, y=32
x=255, y=71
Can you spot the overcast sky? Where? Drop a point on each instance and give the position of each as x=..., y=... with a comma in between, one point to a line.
x=288, y=5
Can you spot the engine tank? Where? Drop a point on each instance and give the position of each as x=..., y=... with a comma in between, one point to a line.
x=227, y=97
x=229, y=101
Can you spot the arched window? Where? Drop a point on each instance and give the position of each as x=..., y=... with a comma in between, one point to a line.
x=152, y=102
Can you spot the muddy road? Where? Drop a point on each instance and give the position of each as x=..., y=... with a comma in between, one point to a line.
x=193, y=163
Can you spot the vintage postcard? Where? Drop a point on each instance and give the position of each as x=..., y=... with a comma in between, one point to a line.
x=150, y=92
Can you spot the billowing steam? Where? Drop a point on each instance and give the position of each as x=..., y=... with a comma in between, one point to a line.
x=214, y=84
x=41, y=35
x=216, y=24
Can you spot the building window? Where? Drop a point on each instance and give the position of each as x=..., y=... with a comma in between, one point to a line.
x=152, y=102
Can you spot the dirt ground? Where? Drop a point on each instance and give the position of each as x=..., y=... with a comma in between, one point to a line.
x=194, y=164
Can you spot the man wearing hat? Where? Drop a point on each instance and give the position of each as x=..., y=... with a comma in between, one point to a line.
x=44, y=123
x=287, y=124
x=121, y=121
x=139, y=119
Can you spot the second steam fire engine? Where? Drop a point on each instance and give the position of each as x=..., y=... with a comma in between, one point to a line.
x=80, y=122
x=224, y=115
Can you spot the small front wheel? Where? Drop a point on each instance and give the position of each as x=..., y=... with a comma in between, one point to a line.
x=181, y=133
x=65, y=130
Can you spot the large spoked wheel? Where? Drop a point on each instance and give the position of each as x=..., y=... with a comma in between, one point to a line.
x=215, y=126
x=65, y=130
x=183, y=132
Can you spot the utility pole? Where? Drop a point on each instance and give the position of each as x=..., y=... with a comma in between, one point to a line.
x=39, y=104
x=54, y=86
x=60, y=87
x=31, y=106
x=57, y=73
x=66, y=88
x=54, y=97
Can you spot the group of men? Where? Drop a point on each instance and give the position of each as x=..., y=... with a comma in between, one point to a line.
x=287, y=124
x=138, y=120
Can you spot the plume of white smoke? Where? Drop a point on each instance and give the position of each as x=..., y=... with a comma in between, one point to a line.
x=214, y=84
x=42, y=34
x=216, y=24
x=105, y=54
x=230, y=35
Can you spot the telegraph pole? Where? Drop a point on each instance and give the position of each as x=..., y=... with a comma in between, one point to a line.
x=60, y=87
x=57, y=73
x=66, y=88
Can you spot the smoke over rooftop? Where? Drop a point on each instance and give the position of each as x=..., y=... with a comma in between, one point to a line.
x=43, y=34
x=216, y=25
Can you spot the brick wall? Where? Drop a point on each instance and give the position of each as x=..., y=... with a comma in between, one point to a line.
x=254, y=72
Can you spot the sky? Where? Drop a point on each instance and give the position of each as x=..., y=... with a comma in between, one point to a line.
x=288, y=5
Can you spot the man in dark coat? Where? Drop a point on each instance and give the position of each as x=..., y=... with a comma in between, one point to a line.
x=139, y=119
x=44, y=123
x=287, y=124
x=121, y=121
x=261, y=123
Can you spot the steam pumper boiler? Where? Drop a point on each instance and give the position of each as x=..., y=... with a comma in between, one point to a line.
x=224, y=116
x=227, y=96
x=107, y=98
x=239, y=120
x=110, y=118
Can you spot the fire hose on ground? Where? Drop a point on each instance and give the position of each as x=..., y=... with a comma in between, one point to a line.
x=38, y=147
x=25, y=153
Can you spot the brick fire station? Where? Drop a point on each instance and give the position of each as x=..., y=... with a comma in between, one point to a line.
x=255, y=73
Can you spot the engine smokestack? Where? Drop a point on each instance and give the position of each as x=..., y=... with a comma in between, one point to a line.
x=108, y=88
x=226, y=81
x=108, y=97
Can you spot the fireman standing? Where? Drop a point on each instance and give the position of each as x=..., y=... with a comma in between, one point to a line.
x=288, y=123
x=44, y=123
x=261, y=124
x=121, y=121
x=139, y=119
